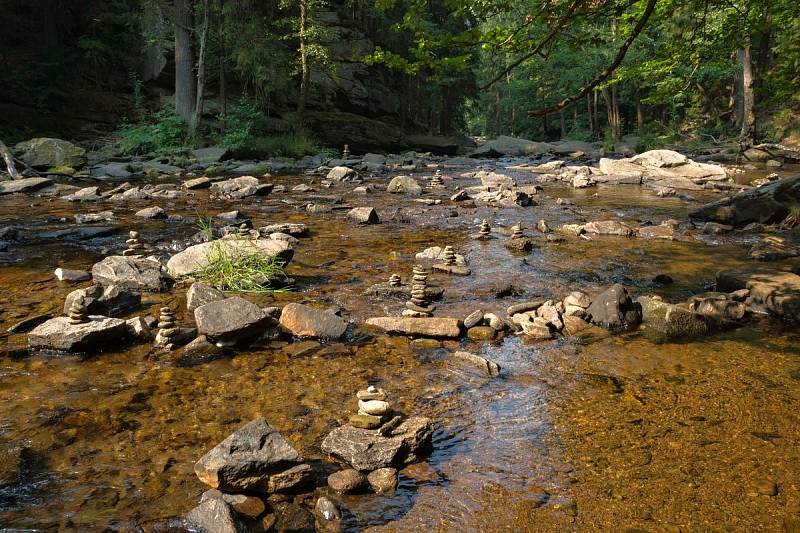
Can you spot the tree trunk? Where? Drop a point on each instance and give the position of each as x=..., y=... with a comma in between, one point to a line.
x=184, y=60
x=589, y=113
x=223, y=85
x=305, y=69
x=639, y=113
x=596, y=115
x=563, y=123
x=612, y=112
x=748, y=132
x=201, y=75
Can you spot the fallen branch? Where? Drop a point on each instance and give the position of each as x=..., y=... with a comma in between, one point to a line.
x=9, y=159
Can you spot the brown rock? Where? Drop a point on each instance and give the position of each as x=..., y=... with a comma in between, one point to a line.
x=347, y=481
x=383, y=480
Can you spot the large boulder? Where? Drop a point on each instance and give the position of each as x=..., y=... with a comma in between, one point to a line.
x=231, y=319
x=201, y=294
x=511, y=146
x=367, y=450
x=664, y=165
x=135, y=273
x=199, y=256
x=614, y=309
x=304, y=321
x=670, y=320
x=246, y=459
x=60, y=335
x=44, y=152
x=767, y=204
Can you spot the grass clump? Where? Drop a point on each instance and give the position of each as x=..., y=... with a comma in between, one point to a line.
x=243, y=271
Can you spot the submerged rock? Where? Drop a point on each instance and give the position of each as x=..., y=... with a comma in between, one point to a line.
x=489, y=366
x=246, y=459
x=671, y=320
x=60, y=334
x=366, y=450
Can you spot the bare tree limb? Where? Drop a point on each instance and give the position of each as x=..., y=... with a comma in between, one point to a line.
x=605, y=74
x=9, y=159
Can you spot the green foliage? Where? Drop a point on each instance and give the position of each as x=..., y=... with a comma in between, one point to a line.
x=165, y=133
x=242, y=121
x=241, y=271
x=287, y=145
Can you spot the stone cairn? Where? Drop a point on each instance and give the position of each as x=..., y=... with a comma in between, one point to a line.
x=243, y=232
x=485, y=231
x=167, y=328
x=516, y=231
x=135, y=245
x=373, y=409
x=419, y=305
x=346, y=152
x=449, y=256
x=77, y=313
x=395, y=281
x=436, y=180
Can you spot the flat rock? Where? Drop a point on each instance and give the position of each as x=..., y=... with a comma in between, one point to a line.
x=366, y=450
x=59, y=335
x=198, y=256
x=304, y=321
x=231, y=318
x=292, y=480
x=775, y=291
x=151, y=212
x=246, y=459
x=197, y=183
x=136, y=273
x=404, y=185
x=90, y=218
x=24, y=185
x=290, y=228
x=422, y=327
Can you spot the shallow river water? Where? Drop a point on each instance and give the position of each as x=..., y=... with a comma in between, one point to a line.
x=620, y=433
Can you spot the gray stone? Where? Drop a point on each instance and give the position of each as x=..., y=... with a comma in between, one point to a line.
x=200, y=255
x=292, y=480
x=510, y=146
x=231, y=318
x=241, y=187
x=151, y=212
x=109, y=300
x=609, y=227
x=136, y=273
x=366, y=450
x=404, y=185
x=246, y=459
x=215, y=516
x=614, y=309
x=60, y=335
x=88, y=218
x=87, y=194
x=671, y=320
x=201, y=294
x=304, y=321
x=197, y=183
x=473, y=319
x=342, y=174
x=290, y=228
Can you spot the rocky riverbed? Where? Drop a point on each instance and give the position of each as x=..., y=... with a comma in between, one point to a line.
x=618, y=350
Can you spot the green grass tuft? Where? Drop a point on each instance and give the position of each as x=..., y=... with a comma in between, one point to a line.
x=242, y=272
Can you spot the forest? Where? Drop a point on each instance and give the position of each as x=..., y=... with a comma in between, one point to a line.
x=163, y=75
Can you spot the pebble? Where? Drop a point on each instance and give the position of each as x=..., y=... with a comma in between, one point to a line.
x=327, y=509
x=366, y=421
x=371, y=394
x=473, y=319
x=346, y=481
x=383, y=480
